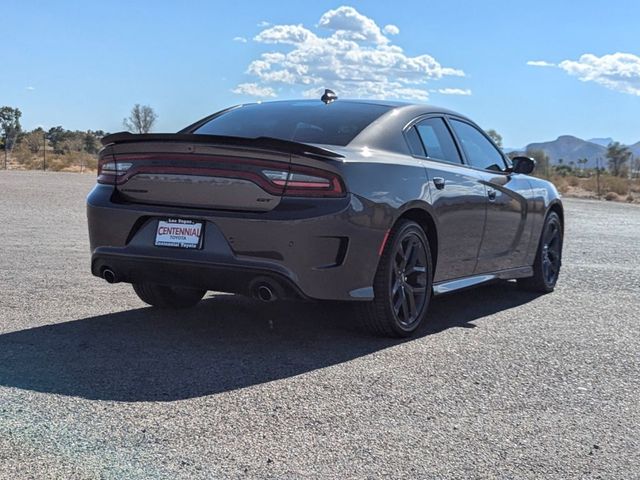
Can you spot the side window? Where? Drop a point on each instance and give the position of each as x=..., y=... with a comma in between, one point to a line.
x=437, y=140
x=479, y=151
x=414, y=142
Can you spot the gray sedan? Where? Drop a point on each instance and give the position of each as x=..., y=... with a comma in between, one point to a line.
x=377, y=203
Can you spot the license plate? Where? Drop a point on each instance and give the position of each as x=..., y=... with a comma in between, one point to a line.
x=179, y=233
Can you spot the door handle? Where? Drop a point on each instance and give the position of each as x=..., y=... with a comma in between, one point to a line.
x=439, y=182
x=491, y=194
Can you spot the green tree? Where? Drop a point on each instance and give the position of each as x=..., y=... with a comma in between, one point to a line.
x=141, y=119
x=635, y=168
x=34, y=140
x=583, y=162
x=617, y=157
x=495, y=136
x=542, y=160
x=55, y=136
x=90, y=142
x=73, y=142
x=11, y=128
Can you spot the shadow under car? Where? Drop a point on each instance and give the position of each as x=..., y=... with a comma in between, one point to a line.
x=225, y=343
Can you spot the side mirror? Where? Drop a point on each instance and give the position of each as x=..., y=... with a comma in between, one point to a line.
x=523, y=165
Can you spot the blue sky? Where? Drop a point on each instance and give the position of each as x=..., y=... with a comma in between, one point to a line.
x=84, y=64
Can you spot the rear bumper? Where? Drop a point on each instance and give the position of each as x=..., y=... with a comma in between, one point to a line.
x=317, y=249
x=236, y=278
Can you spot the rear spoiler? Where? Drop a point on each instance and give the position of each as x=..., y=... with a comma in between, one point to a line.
x=268, y=143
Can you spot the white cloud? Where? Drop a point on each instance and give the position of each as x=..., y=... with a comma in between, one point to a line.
x=263, y=24
x=348, y=23
x=254, y=90
x=30, y=88
x=240, y=39
x=391, y=29
x=540, y=63
x=454, y=91
x=287, y=34
x=354, y=59
x=616, y=71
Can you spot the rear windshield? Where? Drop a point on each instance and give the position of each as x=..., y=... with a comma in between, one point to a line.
x=307, y=122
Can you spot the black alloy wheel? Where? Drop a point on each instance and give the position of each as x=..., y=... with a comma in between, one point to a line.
x=408, y=286
x=546, y=266
x=551, y=251
x=402, y=285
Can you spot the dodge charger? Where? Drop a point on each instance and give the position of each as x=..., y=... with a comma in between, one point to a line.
x=377, y=203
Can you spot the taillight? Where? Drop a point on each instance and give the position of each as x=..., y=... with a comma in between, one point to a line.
x=302, y=181
x=115, y=168
x=277, y=178
x=109, y=170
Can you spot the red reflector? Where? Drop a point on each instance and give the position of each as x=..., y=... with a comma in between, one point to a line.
x=384, y=242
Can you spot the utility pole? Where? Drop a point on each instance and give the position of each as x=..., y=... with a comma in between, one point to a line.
x=598, y=175
x=630, y=176
x=6, y=142
x=44, y=151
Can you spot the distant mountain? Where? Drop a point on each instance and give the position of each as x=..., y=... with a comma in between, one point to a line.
x=570, y=149
x=512, y=149
x=601, y=141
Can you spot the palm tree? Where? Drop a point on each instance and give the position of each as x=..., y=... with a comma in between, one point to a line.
x=617, y=155
x=582, y=162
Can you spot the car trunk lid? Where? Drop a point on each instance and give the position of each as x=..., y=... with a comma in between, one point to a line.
x=206, y=171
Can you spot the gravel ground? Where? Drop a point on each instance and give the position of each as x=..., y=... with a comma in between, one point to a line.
x=500, y=384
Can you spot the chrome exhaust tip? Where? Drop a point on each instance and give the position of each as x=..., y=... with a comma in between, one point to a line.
x=109, y=275
x=265, y=293
x=266, y=289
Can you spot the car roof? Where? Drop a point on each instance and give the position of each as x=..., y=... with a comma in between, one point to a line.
x=427, y=108
x=384, y=133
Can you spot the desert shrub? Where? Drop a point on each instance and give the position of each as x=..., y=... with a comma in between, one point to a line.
x=34, y=163
x=563, y=170
x=573, y=181
x=560, y=183
x=91, y=162
x=87, y=161
x=21, y=153
x=75, y=161
x=608, y=183
x=57, y=163
x=611, y=196
x=590, y=184
x=618, y=185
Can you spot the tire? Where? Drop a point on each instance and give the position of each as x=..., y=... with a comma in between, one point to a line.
x=546, y=266
x=163, y=296
x=402, y=285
